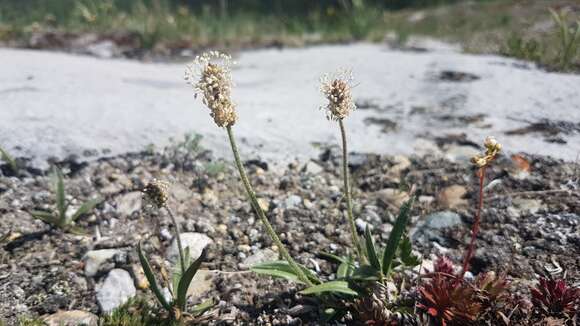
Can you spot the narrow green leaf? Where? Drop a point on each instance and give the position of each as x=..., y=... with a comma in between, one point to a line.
x=186, y=280
x=332, y=286
x=60, y=195
x=46, y=217
x=199, y=309
x=371, y=250
x=332, y=258
x=345, y=269
x=406, y=253
x=396, y=234
x=9, y=160
x=282, y=269
x=85, y=208
x=366, y=273
x=151, y=278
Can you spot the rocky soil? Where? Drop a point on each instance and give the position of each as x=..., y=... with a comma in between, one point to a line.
x=531, y=227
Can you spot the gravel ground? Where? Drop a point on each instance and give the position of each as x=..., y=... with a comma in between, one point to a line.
x=531, y=224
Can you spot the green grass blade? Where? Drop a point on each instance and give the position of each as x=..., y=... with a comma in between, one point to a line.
x=396, y=234
x=60, y=195
x=85, y=208
x=151, y=278
x=371, y=250
x=282, y=269
x=46, y=217
x=9, y=160
x=186, y=280
x=332, y=286
x=199, y=309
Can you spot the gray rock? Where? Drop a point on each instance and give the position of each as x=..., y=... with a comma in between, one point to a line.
x=361, y=224
x=129, y=203
x=104, y=49
x=260, y=256
x=313, y=168
x=431, y=228
x=461, y=153
x=292, y=201
x=196, y=242
x=99, y=261
x=201, y=283
x=71, y=318
x=117, y=288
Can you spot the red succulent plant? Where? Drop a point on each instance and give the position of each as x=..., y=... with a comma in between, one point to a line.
x=449, y=301
x=556, y=297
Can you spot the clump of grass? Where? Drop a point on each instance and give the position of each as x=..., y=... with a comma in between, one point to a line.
x=156, y=193
x=10, y=161
x=525, y=49
x=135, y=312
x=569, y=38
x=60, y=217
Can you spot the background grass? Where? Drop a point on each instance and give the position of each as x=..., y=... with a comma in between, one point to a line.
x=511, y=27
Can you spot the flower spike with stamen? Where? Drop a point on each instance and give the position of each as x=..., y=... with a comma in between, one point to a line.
x=336, y=88
x=210, y=76
x=155, y=192
x=492, y=149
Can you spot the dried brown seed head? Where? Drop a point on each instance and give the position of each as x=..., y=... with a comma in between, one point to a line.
x=156, y=193
x=492, y=150
x=210, y=76
x=337, y=90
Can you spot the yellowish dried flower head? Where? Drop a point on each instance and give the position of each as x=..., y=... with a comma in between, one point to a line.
x=156, y=193
x=492, y=149
x=210, y=76
x=337, y=90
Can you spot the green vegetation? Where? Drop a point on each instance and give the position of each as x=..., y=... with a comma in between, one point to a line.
x=569, y=38
x=183, y=272
x=493, y=26
x=60, y=217
x=10, y=161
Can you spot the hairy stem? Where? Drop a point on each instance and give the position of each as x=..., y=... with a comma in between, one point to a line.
x=475, y=226
x=347, y=193
x=258, y=210
x=178, y=239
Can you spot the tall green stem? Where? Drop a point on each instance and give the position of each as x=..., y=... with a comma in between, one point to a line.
x=260, y=212
x=347, y=192
x=178, y=239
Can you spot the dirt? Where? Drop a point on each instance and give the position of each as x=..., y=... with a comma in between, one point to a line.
x=530, y=226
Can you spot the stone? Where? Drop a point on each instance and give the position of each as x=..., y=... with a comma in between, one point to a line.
x=201, y=283
x=260, y=256
x=431, y=228
x=461, y=153
x=115, y=290
x=312, y=168
x=105, y=49
x=361, y=224
x=99, y=261
x=71, y=318
x=292, y=201
x=196, y=242
x=392, y=199
x=452, y=197
x=129, y=203
x=139, y=275
x=209, y=198
x=400, y=163
x=522, y=206
x=264, y=204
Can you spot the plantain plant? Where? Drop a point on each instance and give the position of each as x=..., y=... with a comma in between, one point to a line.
x=184, y=271
x=60, y=217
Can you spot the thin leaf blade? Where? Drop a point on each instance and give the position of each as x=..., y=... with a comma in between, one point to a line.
x=85, y=208
x=371, y=250
x=186, y=280
x=151, y=278
x=396, y=234
x=332, y=286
